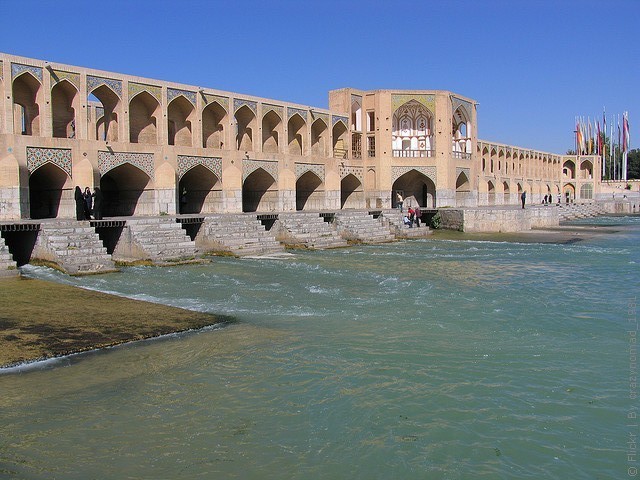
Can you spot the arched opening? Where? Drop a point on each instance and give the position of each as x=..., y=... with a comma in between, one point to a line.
x=586, y=191
x=144, y=111
x=124, y=192
x=461, y=134
x=417, y=189
x=259, y=192
x=491, y=193
x=412, y=134
x=309, y=192
x=340, y=140
x=63, y=112
x=106, y=124
x=271, y=132
x=586, y=170
x=296, y=129
x=180, y=114
x=319, y=131
x=46, y=191
x=506, y=192
x=213, y=119
x=569, y=170
x=201, y=190
x=246, y=121
x=569, y=192
x=351, y=192
x=356, y=116
x=27, y=99
x=463, y=189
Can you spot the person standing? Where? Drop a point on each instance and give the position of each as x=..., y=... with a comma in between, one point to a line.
x=97, y=204
x=412, y=217
x=418, y=213
x=80, y=203
x=399, y=201
x=523, y=197
x=88, y=200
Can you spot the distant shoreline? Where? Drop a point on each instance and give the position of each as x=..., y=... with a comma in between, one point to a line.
x=42, y=320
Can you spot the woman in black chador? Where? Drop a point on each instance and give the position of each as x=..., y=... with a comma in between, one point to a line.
x=80, y=204
x=97, y=204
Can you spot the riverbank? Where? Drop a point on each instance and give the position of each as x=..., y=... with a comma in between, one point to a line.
x=41, y=320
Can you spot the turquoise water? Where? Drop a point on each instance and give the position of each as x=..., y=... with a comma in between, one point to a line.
x=432, y=359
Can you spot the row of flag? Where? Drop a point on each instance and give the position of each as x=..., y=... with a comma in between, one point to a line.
x=595, y=138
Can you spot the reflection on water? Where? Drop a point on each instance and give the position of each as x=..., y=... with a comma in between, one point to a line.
x=423, y=359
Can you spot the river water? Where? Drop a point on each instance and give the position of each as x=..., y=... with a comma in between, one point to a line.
x=432, y=359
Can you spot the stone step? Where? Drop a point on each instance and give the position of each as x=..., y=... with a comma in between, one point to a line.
x=240, y=235
x=8, y=266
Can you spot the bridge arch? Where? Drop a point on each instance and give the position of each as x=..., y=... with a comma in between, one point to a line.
x=125, y=192
x=47, y=192
x=417, y=189
x=259, y=192
x=309, y=192
x=351, y=192
x=202, y=191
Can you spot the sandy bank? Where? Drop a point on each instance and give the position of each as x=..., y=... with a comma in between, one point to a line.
x=40, y=319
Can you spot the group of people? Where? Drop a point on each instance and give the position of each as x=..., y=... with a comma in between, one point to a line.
x=413, y=216
x=88, y=203
x=548, y=199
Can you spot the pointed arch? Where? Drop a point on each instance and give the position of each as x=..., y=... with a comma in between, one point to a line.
x=351, y=192
x=309, y=192
x=106, y=124
x=27, y=104
x=48, y=196
x=180, y=116
x=200, y=191
x=418, y=189
x=64, y=105
x=214, y=119
x=339, y=134
x=296, y=128
x=319, y=131
x=271, y=132
x=125, y=192
x=461, y=133
x=412, y=134
x=259, y=192
x=246, y=123
x=144, y=112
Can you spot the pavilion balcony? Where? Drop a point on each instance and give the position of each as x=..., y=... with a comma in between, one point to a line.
x=413, y=153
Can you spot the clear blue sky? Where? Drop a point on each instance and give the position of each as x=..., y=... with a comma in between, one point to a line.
x=532, y=65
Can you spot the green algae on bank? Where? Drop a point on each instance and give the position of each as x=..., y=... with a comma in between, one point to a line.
x=40, y=319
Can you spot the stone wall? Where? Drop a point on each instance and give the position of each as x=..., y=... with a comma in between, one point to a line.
x=499, y=219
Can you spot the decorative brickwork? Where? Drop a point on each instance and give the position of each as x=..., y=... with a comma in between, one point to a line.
x=250, y=166
x=428, y=100
x=223, y=101
x=108, y=161
x=58, y=75
x=95, y=82
x=335, y=119
x=324, y=116
x=466, y=171
x=36, y=157
x=467, y=106
x=277, y=109
x=302, y=168
x=174, y=92
x=18, y=69
x=187, y=162
x=357, y=172
x=239, y=103
x=397, y=172
x=292, y=111
x=136, y=88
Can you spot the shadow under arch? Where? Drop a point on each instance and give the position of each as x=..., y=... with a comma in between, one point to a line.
x=351, y=192
x=122, y=188
x=46, y=186
x=259, y=192
x=309, y=192
x=416, y=188
x=203, y=191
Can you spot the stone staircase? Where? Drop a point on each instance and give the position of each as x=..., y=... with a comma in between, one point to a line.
x=360, y=226
x=309, y=230
x=159, y=239
x=74, y=246
x=239, y=235
x=393, y=217
x=572, y=211
x=8, y=266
